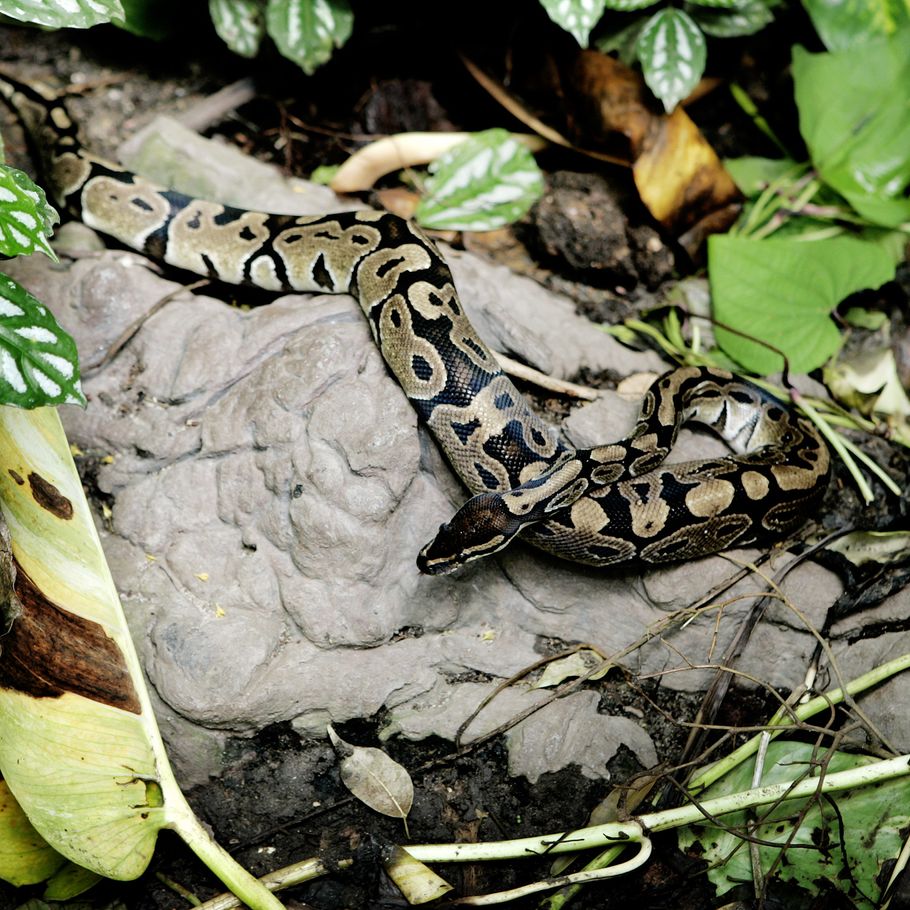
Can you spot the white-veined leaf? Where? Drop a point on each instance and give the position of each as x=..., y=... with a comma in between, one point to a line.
x=39, y=364
x=308, y=31
x=26, y=218
x=671, y=50
x=577, y=17
x=743, y=19
x=629, y=6
x=239, y=24
x=62, y=13
x=717, y=4
x=483, y=183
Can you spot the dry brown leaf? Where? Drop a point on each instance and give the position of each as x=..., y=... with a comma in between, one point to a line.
x=374, y=778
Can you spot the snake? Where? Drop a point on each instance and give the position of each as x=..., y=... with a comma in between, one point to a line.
x=617, y=504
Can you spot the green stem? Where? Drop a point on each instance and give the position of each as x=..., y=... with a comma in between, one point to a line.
x=639, y=828
x=839, y=444
x=241, y=882
x=781, y=722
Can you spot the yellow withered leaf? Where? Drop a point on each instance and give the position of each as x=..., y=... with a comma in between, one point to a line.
x=79, y=746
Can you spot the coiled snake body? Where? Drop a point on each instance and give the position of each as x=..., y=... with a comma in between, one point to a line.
x=611, y=504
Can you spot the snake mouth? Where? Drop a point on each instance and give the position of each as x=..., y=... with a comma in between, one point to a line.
x=447, y=552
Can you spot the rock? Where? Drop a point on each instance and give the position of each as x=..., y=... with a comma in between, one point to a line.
x=270, y=489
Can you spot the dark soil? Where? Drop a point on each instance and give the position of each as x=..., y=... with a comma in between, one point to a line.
x=282, y=799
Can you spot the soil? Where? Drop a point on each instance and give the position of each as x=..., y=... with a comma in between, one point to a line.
x=282, y=799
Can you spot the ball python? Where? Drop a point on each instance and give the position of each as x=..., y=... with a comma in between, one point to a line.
x=605, y=506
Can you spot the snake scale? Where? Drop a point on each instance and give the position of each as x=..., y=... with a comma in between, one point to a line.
x=613, y=504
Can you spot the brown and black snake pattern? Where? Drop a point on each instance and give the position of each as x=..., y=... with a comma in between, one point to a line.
x=613, y=504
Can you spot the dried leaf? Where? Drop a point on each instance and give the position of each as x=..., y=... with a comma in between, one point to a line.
x=418, y=883
x=374, y=778
x=569, y=667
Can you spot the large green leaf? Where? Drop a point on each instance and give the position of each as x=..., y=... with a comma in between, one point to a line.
x=239, y=24
x=308, y=31
x=843, y=840
x=39, y=364
x=854, y=114
x=485, y=182
x=79, y=746
x=846, y=23
x=26, y=219
x=671, y=50
x=62, y=13
x=577, y=17
x=784, y=291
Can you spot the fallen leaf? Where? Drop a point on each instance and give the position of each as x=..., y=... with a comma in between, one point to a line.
x=374, y=778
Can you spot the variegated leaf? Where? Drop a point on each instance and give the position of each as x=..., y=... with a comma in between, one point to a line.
x=744, y=19
x=718, y=4
x=577, y=17
x=62, y=13
x=39, y=364
x=671, y=50
x=483, y=183
x=239, y=24
x=26, y=218
x=308, y=31
x=628, y=6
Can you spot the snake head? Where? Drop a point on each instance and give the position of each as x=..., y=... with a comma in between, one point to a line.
x=483, y=525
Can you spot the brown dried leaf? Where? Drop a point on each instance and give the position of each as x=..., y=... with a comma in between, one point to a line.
x=374, y=778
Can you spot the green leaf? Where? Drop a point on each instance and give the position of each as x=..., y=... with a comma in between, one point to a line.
x=846, y=23
x=784, y=291
x=752, y=174
x=26, y=219
x=628, y=6
x=735, y=22
x=621, y=38
x=853, y=109
x=155, y=19
x=239, y=24
x=671, y=49
x=62, y=13
x=485, y=182
x=308, y=31
x=39, y=364
x=577, y=17
x=844, y=839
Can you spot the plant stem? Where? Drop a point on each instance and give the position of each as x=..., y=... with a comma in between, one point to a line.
x=780, y=723
x=242, y=883
x=639, y=828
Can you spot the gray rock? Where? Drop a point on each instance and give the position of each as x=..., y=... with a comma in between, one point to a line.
x=271, y=488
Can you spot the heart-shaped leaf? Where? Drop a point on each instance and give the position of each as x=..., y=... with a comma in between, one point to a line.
x=485, y=182
x=26, y=219
x=308, y=31
x=39, y=364
x=853, y=115
x=63, y=13
x=239, y=24
x=577, y=17
x=671, y=50
x=784, y=291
